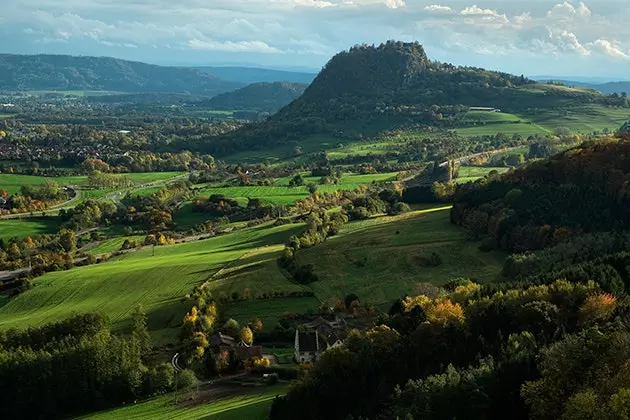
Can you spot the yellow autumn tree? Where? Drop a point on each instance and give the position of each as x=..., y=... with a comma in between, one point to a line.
x=411, y=302
x=444, y=312
x=247, y=335
x=465, y=292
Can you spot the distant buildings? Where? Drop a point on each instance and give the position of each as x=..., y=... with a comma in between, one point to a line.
x=483, y=108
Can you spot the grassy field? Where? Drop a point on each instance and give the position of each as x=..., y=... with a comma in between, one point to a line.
x=379, y=259
x=281, y=193
x=158, y=282
x=473, y=173
x=508, y=128
x=113, y=245
x=586, y=119
x=254, y=406
x=22, y=228
x=12, y=182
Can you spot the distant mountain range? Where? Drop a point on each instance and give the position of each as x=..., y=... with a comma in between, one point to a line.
x=602, y=85
x=62, y=72
x=250, y=75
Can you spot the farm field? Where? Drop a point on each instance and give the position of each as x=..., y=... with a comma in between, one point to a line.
x=22, y=228
x=158, y=282
x=473, y=173
x=379, y=259
x=508, y=128
x=585, y=119
x=252, y=406
x=281, y=193
x=114, y=244
x=13, y=182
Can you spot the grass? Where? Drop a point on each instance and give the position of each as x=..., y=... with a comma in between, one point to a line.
x=473, y=173
x=250, y=406
x=281, y=193
x=157, y=282
x=268, y=310
x=508, y=128
x=113, y=245
x=21, y=228
x=586, y=119
x=379, y=259
x=13, y=182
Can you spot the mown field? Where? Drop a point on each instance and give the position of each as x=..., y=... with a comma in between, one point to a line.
x=22, y=228
x=584, y=119
x=252, y=406
x=379, y=259
x=473, y=173
x=278, y=194
x=13, y=182
x=158, y=282
x=281, y=193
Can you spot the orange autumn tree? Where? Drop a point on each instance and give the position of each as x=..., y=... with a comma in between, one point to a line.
x=596, y=308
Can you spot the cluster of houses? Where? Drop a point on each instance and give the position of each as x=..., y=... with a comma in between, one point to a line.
x=314, y=337
x=311, y=340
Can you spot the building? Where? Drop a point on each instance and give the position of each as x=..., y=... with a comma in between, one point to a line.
x=307, y=348
x=483, y=108
x=314, y=337
x=220, y=342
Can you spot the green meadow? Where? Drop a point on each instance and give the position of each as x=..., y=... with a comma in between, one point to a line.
x=22, y=228
x=379, y=259
x=13, y=182
x=158, y=282
x=250, y=406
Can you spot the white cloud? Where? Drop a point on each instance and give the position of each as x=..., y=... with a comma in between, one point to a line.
x=437, y=8
x=229, y=46
x=475, y=10
x=609, y=48
x=307, y=32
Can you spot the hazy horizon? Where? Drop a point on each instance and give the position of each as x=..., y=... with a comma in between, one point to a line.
x=561, y=38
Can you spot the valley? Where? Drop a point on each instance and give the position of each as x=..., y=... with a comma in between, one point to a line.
x=381, y=238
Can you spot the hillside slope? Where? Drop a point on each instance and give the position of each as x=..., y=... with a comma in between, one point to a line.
x=371, y=89
x=266, y=97
x=250, y=75
x=62, y=72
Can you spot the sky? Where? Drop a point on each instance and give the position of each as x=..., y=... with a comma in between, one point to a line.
x=531, y=37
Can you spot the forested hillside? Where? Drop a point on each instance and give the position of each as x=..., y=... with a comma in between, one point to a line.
x=370, y=89
x=62, y=72
x=263, y=97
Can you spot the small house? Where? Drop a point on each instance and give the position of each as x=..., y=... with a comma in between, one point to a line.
x=307, y=348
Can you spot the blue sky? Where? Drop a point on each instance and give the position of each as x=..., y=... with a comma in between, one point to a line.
x=534, y=37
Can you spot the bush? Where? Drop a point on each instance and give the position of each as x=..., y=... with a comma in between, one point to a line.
x=399, y=208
